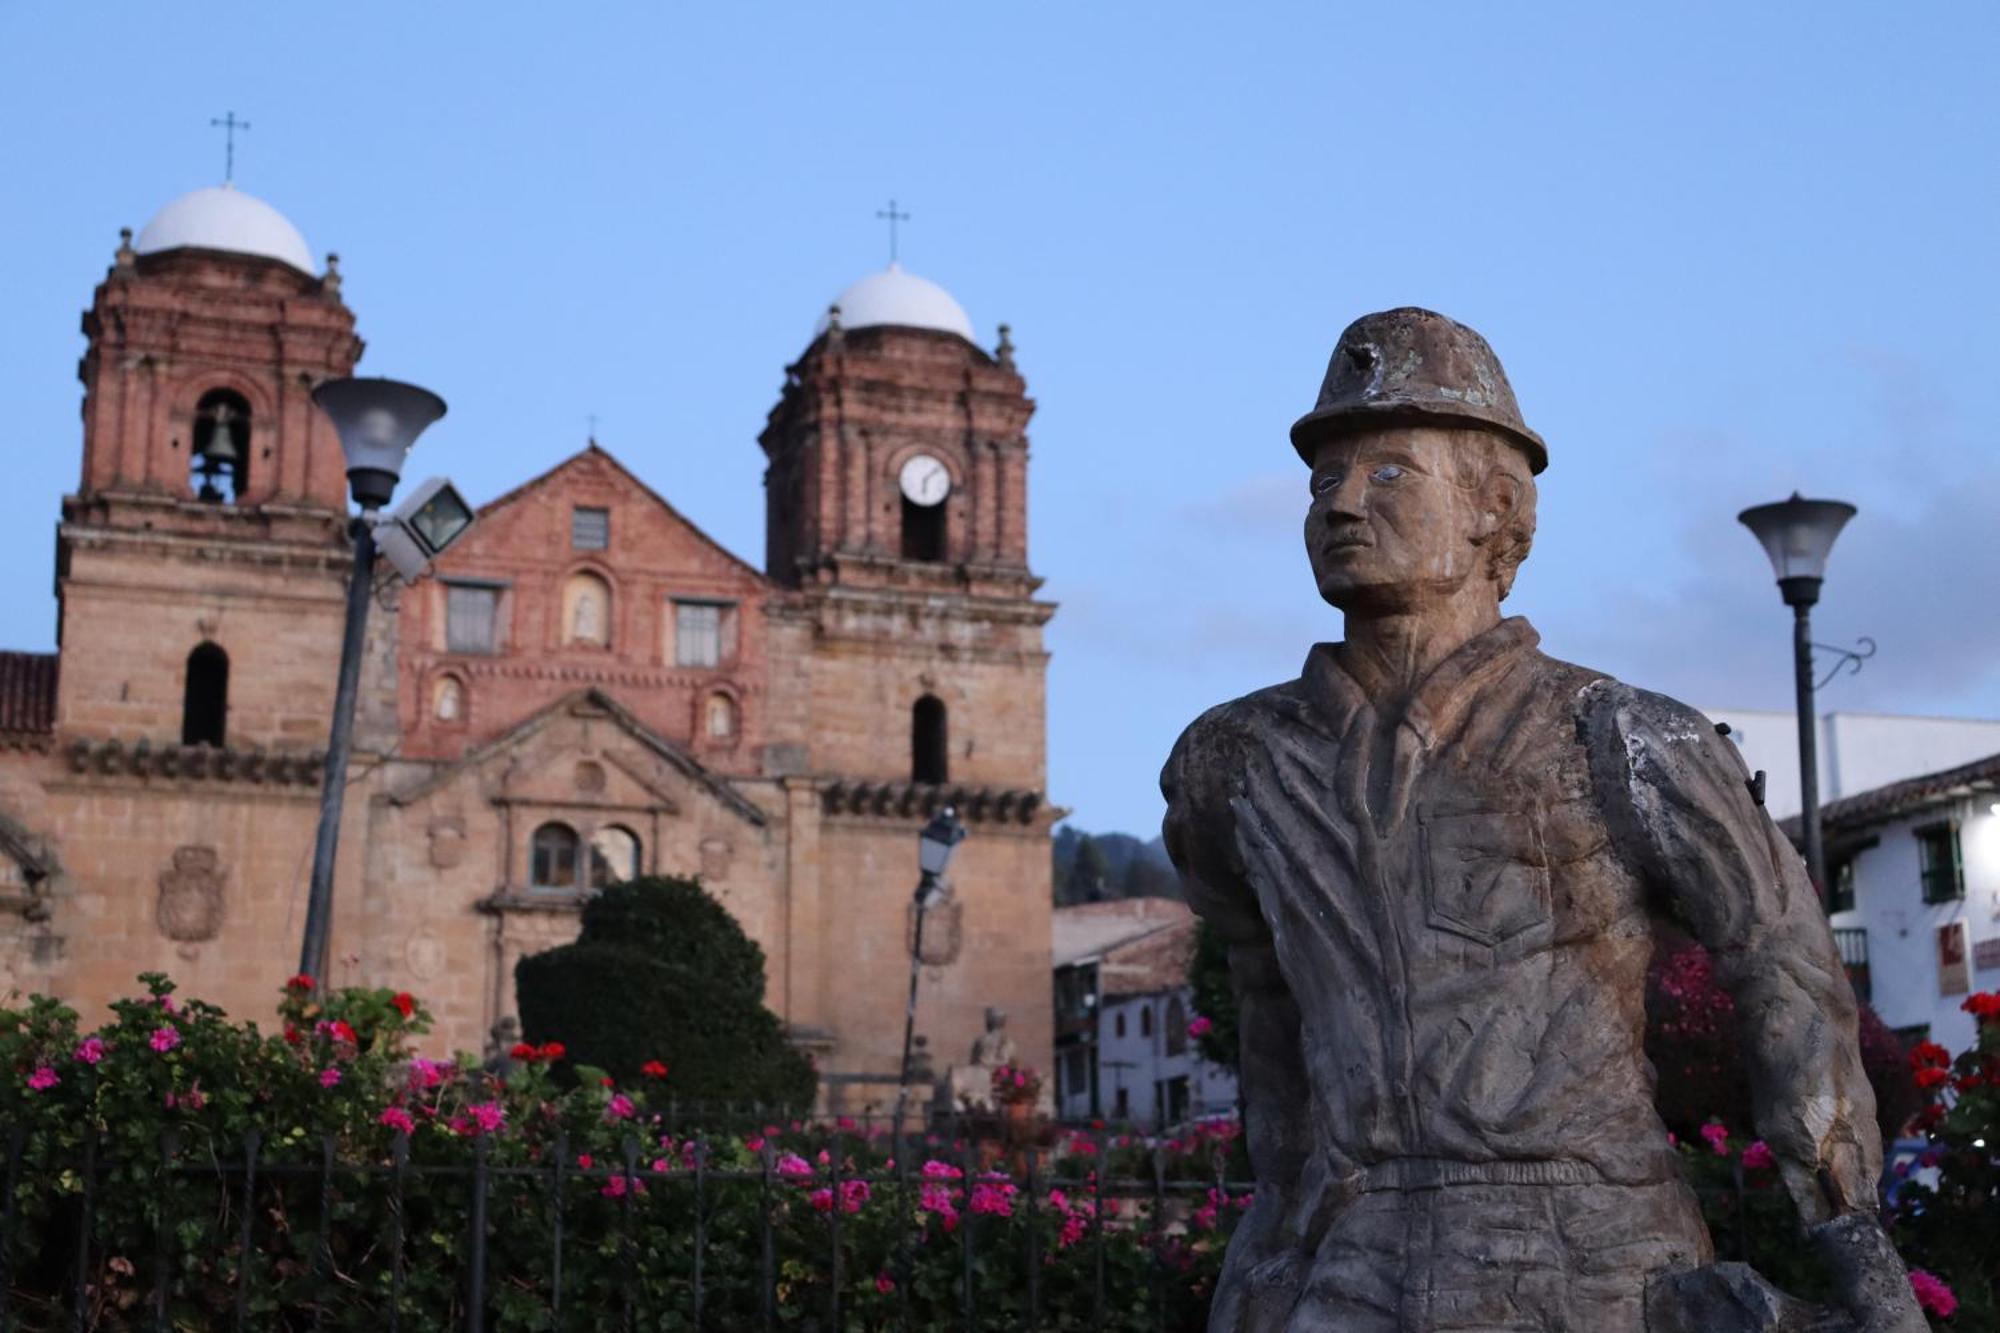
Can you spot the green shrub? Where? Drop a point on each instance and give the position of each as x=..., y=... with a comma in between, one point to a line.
x=662, y=972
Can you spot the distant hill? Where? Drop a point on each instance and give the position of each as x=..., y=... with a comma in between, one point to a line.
x=1099, y=867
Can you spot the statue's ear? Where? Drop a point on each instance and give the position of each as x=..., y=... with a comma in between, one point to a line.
x=1499, y=496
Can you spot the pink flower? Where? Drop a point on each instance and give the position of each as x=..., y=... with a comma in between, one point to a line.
x=395, y=1117
x=1059, y=1201
x=329, y=1076
x=615, y=1187
x=821, y=1200
x=43, y=1079
x=755, y=1143
x=854, y=1193
x=164, y=1038
x=794, y=1167
x=1932, y=1294
x=937, y=1199
x=489, y=1116
x=994, y=1200
x=618, y=1108
x=1201, y=1025
x=1717, y=1137
x=936, y=1170
x=91, y=1051
x=584, y=1159
x=1074, y=1228
x=884, y=1283
x=661, y=1166
x=1757, y=1157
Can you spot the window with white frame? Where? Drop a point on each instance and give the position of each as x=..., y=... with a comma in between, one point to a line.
x=471, y=618
x=704, y=633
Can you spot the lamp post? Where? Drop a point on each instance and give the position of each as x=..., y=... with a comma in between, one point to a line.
x=377, y=421
x=935, y=844
x=1798, y=535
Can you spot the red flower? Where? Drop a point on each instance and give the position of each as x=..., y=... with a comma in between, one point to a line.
x=523, y=1051
x=1928, y=1053
x=607, y=1081
x=1930, y=1076
x=292, y=1037
x=653, y=1069
x=553, y=1050
x=302, y=982
x=342, y=1032
x=405, y=1005
x=1985, y=1005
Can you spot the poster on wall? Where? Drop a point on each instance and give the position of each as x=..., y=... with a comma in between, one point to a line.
x=1986, y=953
x=1954, y=967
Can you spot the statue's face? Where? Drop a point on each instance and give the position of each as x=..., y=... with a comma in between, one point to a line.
x=1389, y=526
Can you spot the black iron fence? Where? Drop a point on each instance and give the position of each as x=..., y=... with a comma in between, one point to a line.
x=813, y=1228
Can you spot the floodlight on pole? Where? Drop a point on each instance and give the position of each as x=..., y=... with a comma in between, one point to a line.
x=1798, y=535
x=377, y=421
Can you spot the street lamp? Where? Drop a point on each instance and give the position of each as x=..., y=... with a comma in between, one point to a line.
x=935, y=845
x=1798, y=535
x=377, y=421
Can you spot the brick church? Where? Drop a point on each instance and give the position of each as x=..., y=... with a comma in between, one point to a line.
x=586, y=688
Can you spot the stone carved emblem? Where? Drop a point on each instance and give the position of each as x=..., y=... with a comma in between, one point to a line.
x=425, y=955
x=190, y=906
x=589, y=776
x=944, y=932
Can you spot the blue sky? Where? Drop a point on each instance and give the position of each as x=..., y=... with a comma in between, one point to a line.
x=1725, y=251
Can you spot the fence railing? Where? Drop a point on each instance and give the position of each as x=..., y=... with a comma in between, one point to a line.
x=848, y=1227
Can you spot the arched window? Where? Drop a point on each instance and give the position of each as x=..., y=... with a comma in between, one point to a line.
x=1177, y=1033
x=614, y=856
x=552, y=857
x=586, y=611
x=220, y=448
x=923, y=531
x=929, y=742
x=718, y=720
x=1145, y=1020
x=205, y=698
x=448, y=700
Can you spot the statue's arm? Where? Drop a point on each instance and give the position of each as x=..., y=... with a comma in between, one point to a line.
x=1267, y=1252
x=1677, y=798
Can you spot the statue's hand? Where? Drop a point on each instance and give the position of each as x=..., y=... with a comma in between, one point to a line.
x=1869, y=1279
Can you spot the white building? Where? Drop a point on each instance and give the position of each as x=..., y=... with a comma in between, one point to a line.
x=1123, y=1006
x=1857, y=751
x=1913, y=870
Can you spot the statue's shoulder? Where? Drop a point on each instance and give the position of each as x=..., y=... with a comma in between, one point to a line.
x=1213, y=747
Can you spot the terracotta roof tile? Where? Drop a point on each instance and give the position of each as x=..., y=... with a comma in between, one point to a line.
x=28, y=693
x=1895, y=799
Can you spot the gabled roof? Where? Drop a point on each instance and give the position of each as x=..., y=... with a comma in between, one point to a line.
x=594, y=450
x=28, y=693
x=676, y=758
x=1893, y=800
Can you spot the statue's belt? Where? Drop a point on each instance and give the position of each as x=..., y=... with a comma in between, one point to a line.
x=1429, y=1173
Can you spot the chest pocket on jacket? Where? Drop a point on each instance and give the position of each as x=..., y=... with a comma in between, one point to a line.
x=1486, y=873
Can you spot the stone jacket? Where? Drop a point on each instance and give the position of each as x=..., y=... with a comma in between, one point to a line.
x=1440, y=925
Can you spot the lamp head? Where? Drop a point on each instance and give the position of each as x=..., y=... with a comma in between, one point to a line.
x=377, y=421
x=1798, y=535
x=938, y=840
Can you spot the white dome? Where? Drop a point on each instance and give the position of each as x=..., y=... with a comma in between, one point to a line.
x=895, y=297
x=222, y=217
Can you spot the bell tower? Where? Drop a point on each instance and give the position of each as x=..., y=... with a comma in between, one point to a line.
x=896, y=500
x=206, y=535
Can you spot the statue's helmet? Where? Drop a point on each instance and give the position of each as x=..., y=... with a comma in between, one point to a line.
x=1414, y=367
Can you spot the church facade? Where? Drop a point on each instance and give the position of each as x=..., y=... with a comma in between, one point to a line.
x=586, y=688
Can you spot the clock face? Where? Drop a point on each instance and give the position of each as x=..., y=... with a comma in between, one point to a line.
x=925, y=481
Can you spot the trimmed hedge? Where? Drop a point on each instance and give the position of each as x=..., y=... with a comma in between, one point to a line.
x=662, y=972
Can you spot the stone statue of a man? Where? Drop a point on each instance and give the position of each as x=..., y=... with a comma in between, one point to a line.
x=993, y=1047
x=1437, y=857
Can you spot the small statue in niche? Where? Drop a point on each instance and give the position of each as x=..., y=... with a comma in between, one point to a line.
x=1436, y=858
x=587, y=617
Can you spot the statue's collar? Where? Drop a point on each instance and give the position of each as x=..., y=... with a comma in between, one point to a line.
x=1337, y=678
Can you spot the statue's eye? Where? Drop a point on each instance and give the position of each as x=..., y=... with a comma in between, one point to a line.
x=1387, y=472
x=1325, y=482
